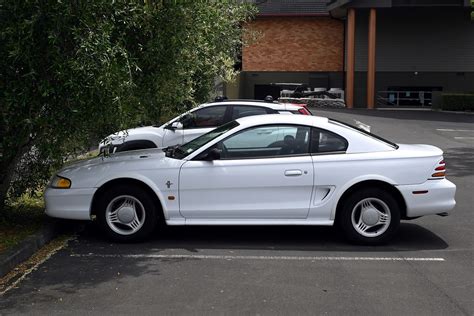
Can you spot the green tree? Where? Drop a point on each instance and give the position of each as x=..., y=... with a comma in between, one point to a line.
x=74, y=71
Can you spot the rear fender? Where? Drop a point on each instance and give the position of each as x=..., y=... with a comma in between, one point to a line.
x=369, y=177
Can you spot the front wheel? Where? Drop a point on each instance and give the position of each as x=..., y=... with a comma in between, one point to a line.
x=127, y=213
x=370, y=216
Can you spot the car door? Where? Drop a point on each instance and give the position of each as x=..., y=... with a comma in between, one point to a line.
x=264, y=172
x=195, y=124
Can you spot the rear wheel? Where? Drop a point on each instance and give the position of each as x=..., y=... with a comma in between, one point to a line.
x=127, y=213
x=370, y=216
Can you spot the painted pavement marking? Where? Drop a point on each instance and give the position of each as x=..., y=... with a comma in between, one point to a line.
x=463, y=137
x=232, y=257
x=454, y=130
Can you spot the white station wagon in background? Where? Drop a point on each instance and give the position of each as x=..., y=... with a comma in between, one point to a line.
x=260, y=170
x=194, y=123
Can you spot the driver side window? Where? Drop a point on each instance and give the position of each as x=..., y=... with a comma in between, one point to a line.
x=266, y=142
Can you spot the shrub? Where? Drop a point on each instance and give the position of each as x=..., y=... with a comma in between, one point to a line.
x=458, y=102
x=72, y=72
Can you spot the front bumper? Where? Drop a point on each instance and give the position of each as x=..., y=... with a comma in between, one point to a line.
x=69, y=203
x=439, y=197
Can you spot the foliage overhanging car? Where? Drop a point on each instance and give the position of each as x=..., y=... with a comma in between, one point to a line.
x=260, y=170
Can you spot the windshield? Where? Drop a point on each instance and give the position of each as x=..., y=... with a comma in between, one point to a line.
x=360, y=130
x=179, y=152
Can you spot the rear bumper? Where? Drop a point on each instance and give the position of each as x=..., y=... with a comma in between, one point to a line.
x=431, y=197
x=69, y=203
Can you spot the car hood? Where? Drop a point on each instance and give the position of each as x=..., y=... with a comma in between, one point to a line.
x=138, y=130
x=87, y=173
x=154, y=133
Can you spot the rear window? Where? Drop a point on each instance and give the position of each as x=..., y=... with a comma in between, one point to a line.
x=360, y=130
x=239, y=111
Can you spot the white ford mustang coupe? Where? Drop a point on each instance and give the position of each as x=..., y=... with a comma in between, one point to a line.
x=260, y=170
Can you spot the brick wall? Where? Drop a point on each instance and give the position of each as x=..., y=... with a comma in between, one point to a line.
x=295, y=44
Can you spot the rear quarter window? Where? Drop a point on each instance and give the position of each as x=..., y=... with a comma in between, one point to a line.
x=323, y=141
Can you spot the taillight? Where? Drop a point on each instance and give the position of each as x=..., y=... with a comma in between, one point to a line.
x=304, y=111
x=440, y=171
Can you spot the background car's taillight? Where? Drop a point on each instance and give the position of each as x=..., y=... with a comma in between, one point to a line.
x=439, y=171
x=304, y=111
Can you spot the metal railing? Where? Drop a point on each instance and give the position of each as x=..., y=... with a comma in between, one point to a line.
x=400, y=98
x=316, y=93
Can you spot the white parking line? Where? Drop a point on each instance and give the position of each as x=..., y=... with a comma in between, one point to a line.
x=230, y=257
x=463, y=137
x=454, y=130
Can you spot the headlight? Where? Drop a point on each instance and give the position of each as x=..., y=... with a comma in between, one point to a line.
x=113, y=138
x=59, y=182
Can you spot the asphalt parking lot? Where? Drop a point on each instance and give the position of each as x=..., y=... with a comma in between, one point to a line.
x=427, y=270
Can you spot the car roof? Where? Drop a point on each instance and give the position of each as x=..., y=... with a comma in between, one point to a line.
x=271, y=105
x=282, y=119
x=359, y=142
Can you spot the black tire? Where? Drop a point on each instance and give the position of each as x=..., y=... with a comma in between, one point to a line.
x=146, y=206
x=352, y=209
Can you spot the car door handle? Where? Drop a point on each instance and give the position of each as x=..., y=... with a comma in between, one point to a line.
x=293, y=173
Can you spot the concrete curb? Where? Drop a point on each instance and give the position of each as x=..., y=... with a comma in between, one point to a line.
x=28, y=247
x=454, y=112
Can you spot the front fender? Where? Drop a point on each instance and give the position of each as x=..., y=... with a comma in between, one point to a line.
x=139, y=177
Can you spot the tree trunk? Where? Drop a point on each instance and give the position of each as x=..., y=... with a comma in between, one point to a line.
x=8, y=171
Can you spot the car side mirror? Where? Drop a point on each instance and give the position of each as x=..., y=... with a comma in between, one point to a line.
x=176, y=125
x=213, y=154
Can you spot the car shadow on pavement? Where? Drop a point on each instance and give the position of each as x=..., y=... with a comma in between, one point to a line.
x=90, y=261
x=411, y=237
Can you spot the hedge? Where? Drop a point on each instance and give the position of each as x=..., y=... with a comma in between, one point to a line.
x=458, y=102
